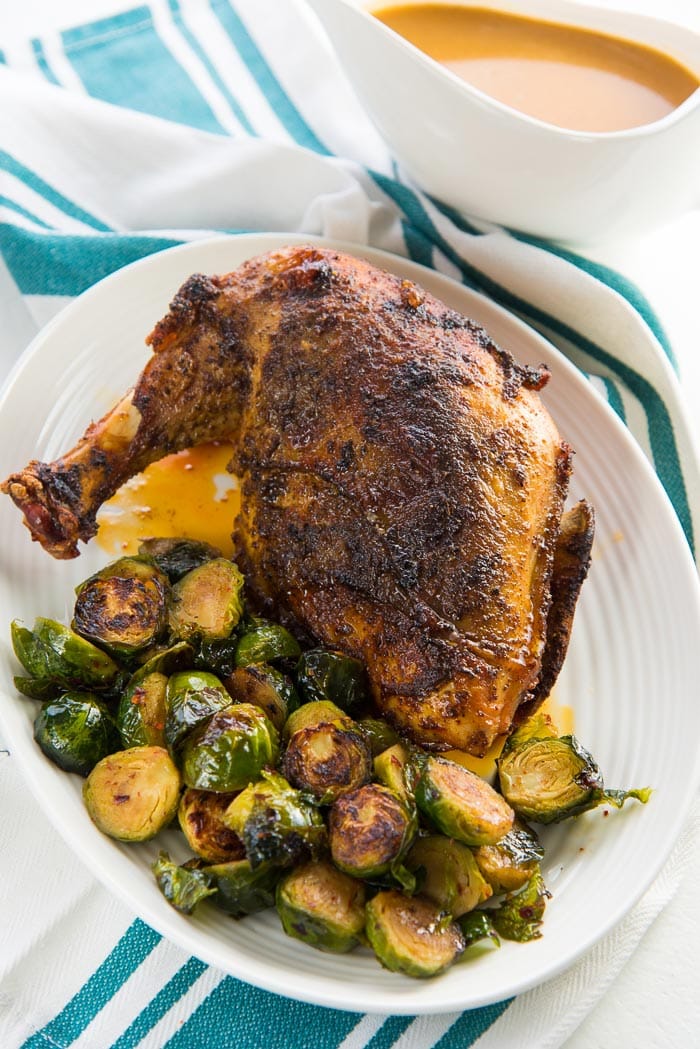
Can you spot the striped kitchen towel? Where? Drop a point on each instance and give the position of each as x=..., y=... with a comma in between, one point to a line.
x=159, y=125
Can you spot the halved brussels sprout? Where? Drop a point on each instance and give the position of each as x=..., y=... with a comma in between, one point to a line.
x=191, y=697
x=379, y=734
x=264, y=643
x=242, y=890
x=201, y=817
x=141, y=713
x=327, y=759
x=334, y=676
x=177, y=556
x=512, y=861
x=275, y=823
x=459, y=803
x=53, y=652
x=75, y=731
x=450, y=875
x=207, y=603
x=370, y=832
x=266, y=688
x=476, y=926
x=133, y=794
x=391, y=768
x=322, y=907
x=548, y=780
x=411, y=935
x=124, y=607
x=519, y=917
x=183, y=887
x=230, y=749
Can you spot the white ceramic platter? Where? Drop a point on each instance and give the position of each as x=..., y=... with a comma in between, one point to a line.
x=631, y=673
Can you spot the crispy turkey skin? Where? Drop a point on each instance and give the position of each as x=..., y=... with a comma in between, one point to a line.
x=402, y=484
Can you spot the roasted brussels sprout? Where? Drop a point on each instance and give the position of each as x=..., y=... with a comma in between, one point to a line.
x=191, y=697
x=230, y=749
x=141, y=713
x=133, y=794
x=37, y=688
x=411, y=935
x=379, y=734
x=266, y=688
x=310, y=714
x=207, y=603
x=519, y=916
x=327, y=759
x=242, y=890
x=201, y=818
x=265, y=643
x=165, y=659
x=448, y=874
x=459, y=803
x=331, y=675
x=52, y=652
x=124, y=607
x=218, y=656
x=177, y=556
x=548, y=780
x=391, y=769
x=75, y=731
x=370, y=832
x=322, y=907
x=476, y=926
x=509, y=864
x=275, y=823
x=183, y=887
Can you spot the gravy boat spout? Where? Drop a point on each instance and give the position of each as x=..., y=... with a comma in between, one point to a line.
x=495, y=163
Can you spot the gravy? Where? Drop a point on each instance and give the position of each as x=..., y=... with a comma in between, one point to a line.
x=187, y=494
x=572, y=77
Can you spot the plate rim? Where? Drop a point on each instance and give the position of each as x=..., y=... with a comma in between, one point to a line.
x=167, y=924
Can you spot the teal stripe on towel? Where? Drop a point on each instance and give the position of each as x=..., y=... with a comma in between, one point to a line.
x=57, y=264
x=14, y=206
x=160, y=1004
x=471, y=1025
x=614, y=398
x=261, y=1019
x=42, y=61
x=268, y=83
x=133, y=948
x=123, y=60
x=15, y=167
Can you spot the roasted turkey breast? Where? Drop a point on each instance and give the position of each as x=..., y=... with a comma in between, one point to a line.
x=403, y=485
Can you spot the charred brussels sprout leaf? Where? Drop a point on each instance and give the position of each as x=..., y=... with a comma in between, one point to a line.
x=75, y=731
x=265, y=643
x=182, y=887
x=450, y=875
x=411, y=935
x=322, y=907
x=165, y=659
x=266, y=688
x=380, y=735
x=190, y=698
x=512, y=861
x=230, y=749
x=327, y=759
x=370, y=832
x=391, y=768
x=459, y=803
x=133, y=794
x=332, y=676
x=277, y=825
x=476, y=926
x=178, y=556
x=548, y=780
x=141, y=713
x=519, y=917
x=53, y=652
x=242, y=890
x=201, y=817
x=207, y=603
x=123, y=608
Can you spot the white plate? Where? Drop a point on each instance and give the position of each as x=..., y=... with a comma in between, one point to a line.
x=630, y=674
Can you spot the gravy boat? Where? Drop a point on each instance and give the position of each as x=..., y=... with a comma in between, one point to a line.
x=495, y=163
